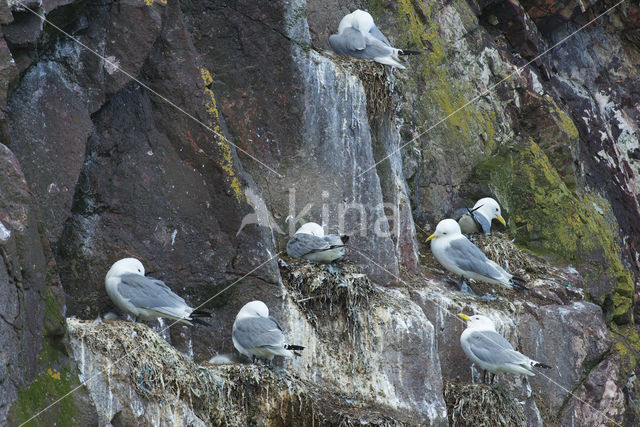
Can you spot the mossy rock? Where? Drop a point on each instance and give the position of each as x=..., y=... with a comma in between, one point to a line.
x=52, y=387
x=551, y=220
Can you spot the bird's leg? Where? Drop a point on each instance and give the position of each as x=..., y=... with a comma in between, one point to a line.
x=484, y=376
x=492, y=378
x=462, y=284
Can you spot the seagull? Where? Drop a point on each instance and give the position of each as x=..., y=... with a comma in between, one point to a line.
x=478, y=219
x=309, y=242
x=458, y=255
x=258, y=335
x=146, y=297
x=359, y=37
x=490, y=351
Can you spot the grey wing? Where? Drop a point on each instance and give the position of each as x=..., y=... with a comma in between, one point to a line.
x=333, y=240
x=349, y=42
x=375, y=32
x=375, y=49
x=353, y=39
x=459, y=213
x=274, y=320
x=303, y=244
x=491, y=347
x=253, y=332
x=149, y=293
x=483, y=223
x=466, y=256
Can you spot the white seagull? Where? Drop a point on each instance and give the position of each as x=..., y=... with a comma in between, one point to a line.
x=490, y=351
x=359, y=37
x=458, y=255
x=146, y=297
x=310, y=243
x=258, y=335
x=478, y=219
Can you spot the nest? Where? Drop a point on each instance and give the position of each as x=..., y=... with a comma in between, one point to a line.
x=503, y=251
x=340, y=293
x=376, y=82
x=481, y=405
x=220, y=395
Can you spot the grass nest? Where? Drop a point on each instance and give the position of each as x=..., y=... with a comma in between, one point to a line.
x=336, y=292
x=231, y=394
x=503, y=251
x=481, y=405
x=378, y=85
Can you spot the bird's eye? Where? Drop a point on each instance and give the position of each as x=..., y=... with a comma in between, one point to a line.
x=139, y=271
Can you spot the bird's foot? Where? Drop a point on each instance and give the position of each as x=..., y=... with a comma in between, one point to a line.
x=462, y=285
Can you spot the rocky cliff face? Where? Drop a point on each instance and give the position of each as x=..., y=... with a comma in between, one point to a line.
x=197, y=135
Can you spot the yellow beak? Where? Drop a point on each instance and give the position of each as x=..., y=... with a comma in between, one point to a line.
x=464, y=317
x=499, y=218
x=433, y=236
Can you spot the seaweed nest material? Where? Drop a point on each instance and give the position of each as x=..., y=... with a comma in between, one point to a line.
x=377, y=82
x=220, y=395
x=481, y=405
x=329, y=292
x=138, y=359
x=508, y=255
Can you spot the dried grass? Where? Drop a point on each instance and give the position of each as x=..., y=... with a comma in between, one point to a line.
x=481, y=405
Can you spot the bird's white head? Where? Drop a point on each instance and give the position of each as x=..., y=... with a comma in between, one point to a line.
x=479, y=322
x=126, y=266
x=311, y=228
x=253, y=309
x=446, y=228
x=362, y=21
x=490, y=209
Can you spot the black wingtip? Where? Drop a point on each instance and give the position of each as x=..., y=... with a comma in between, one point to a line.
x=344, y=238
x=293, y=347
x=200, y=313
x=542, y=365
x=518, y=283
x=409, y=52
x=200, y=322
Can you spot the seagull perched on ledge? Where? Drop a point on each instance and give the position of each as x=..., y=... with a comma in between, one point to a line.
x=310, y=243
x=146, y=297
x=258, y=335
x=490, y=351
x=359, y=37
x=458, y=255
x=478, y=219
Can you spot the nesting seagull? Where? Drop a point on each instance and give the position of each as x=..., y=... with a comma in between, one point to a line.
x=478, y=219
x=490, y=351
x=258, y=335
x=310, y=243
x=458, y=255
x=359, y=37
x=146, y=297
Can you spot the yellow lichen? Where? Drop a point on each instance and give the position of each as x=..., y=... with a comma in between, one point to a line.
x=150, y=2
x=561, y=118
x=226, y=153
x=53, y=373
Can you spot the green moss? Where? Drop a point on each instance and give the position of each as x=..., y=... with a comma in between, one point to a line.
x=54, y=383
x=551, y=220
x=627, y=344
x=444, y=110
x=533, y=177
x=55, y=380
x=53, y=321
